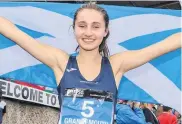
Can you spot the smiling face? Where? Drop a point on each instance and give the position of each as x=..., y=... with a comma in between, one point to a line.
x=90, y=29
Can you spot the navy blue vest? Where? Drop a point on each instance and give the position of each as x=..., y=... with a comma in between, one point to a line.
x=72, y=78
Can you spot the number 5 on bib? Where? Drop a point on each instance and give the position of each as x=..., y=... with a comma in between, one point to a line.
x=85, y=106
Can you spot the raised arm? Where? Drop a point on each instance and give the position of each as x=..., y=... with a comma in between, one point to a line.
x=44, y=53
x=126, y=61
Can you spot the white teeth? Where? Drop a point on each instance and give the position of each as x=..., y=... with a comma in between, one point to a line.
x=88, y=40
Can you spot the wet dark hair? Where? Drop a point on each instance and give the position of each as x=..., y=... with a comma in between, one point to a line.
x=103, y=49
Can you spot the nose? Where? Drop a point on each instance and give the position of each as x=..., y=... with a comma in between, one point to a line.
x=88, y=32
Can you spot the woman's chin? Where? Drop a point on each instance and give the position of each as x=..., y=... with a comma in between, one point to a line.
x=88, y=48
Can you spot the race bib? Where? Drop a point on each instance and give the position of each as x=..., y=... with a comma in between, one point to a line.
x=86, y=106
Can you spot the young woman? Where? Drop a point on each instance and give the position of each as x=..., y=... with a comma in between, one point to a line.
x=92, y=68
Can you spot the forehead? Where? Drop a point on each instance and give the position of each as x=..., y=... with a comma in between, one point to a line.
x=89, y=16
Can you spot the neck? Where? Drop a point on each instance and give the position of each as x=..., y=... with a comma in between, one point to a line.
x=89, y=56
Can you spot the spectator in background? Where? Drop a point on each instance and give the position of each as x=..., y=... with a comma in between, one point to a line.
x=2, y=107
x=129, y=113
x=154, y=109
x=159, y=110
x=142, y=106
x=178, y=115
x=150, y=117
x=166, y=117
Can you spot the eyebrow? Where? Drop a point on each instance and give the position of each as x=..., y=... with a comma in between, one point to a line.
x=98, y=23
x=82, y=22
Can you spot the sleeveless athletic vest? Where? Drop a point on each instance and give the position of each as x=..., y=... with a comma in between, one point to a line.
x=72, y=78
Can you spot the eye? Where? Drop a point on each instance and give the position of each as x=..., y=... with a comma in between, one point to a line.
x=96, y=27
x=82, y=26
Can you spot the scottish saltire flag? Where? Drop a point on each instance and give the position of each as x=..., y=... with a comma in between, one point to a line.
x=157, y=81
